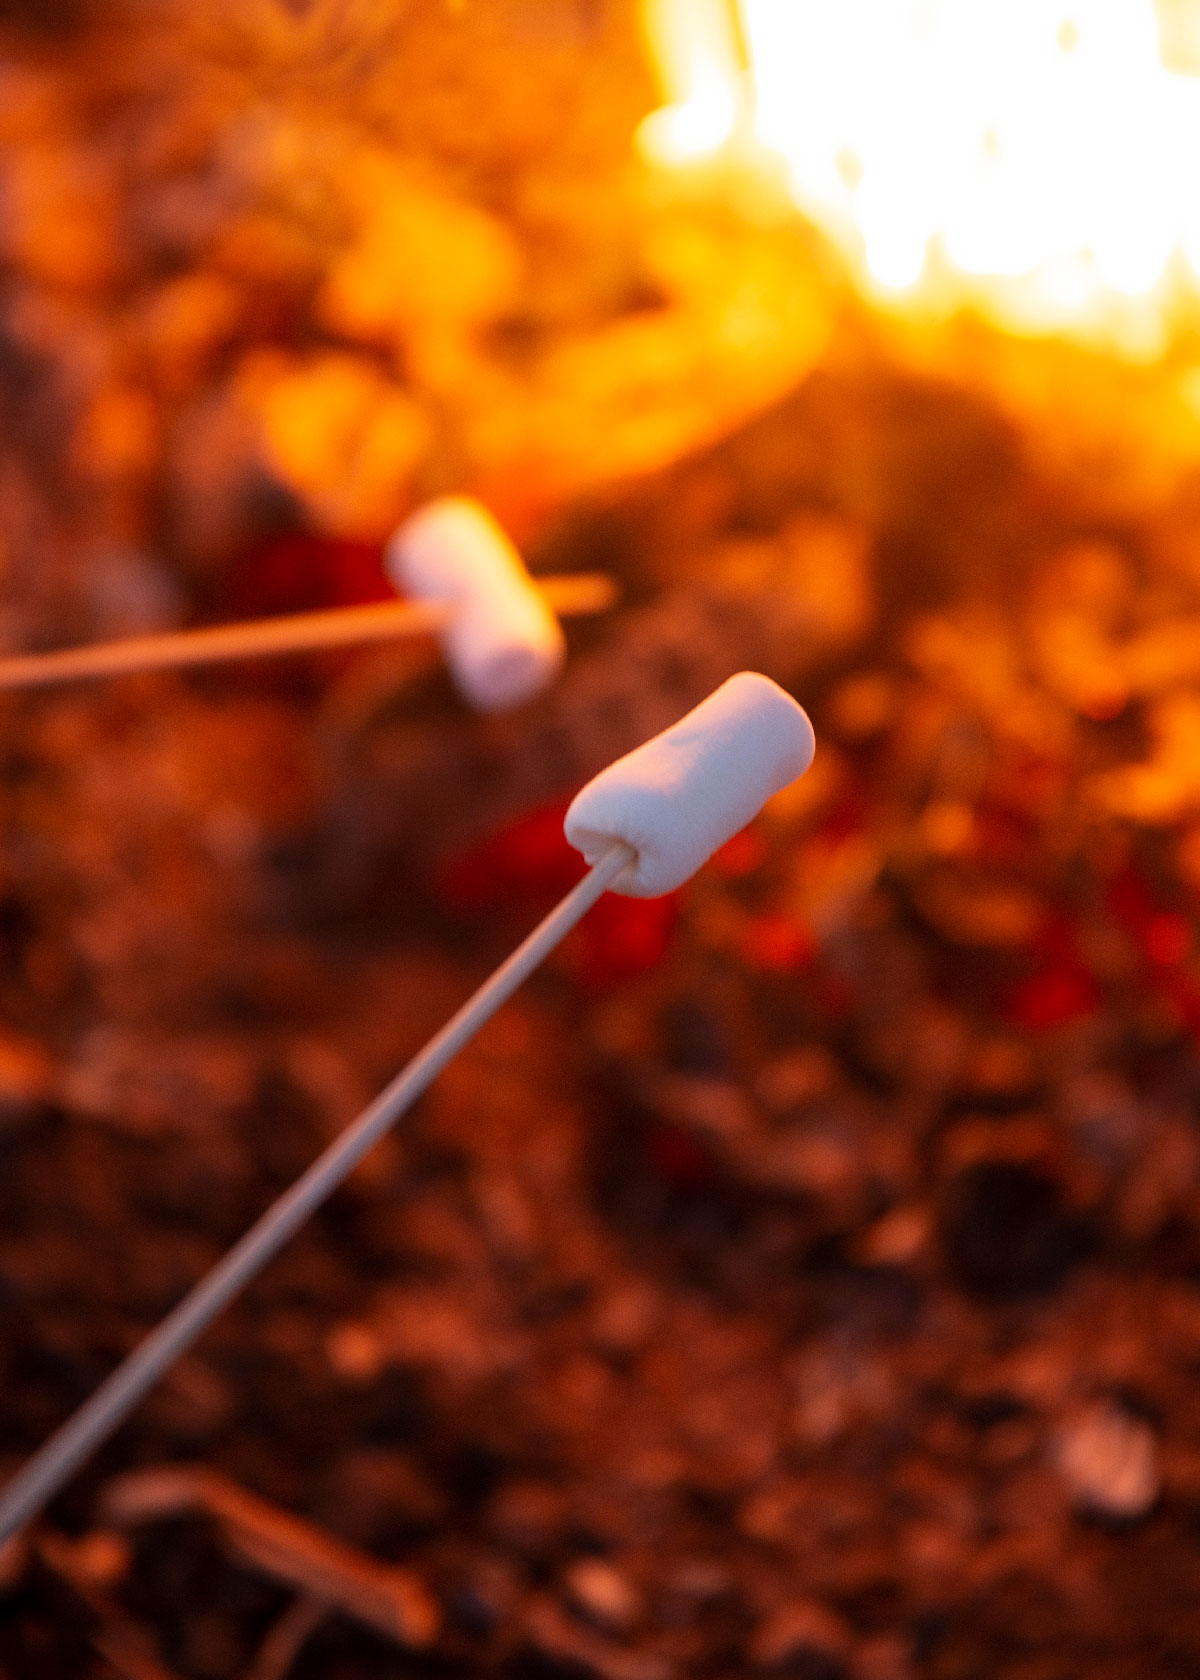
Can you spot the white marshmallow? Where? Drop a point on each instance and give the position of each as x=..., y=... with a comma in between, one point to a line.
x=680, y=796
x=503, y=644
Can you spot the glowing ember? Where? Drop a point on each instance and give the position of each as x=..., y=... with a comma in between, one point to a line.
x=1039, y=158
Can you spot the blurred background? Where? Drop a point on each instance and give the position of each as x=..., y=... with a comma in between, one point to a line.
x=802, y=1276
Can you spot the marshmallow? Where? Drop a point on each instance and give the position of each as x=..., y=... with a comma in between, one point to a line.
x=503, y=644
x=679, y=797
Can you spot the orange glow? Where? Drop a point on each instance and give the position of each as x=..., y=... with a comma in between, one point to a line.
x=1040, y=157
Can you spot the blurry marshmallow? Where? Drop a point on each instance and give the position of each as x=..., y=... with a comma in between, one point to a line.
x=503, y=644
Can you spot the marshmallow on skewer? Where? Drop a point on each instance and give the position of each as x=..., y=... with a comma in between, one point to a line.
x=503, y=644
x=645, y=824
x=681, y=795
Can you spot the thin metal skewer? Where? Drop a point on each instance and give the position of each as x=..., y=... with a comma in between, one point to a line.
x=55, y=1462
x=572, y=594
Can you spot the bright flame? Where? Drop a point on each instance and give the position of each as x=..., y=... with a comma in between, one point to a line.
x=697, y=48
x=1039, y=154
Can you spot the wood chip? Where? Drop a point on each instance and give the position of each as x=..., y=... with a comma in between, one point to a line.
x=14, y=1555
x=563, y=1641
x=121, y=1641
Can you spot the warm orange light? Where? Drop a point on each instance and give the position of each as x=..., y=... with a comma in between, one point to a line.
x=1039, y=155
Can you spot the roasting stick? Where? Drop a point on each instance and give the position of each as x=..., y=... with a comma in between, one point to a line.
x=644, y=825
x=96, y=1419
x=574, y=594
x=466, y=582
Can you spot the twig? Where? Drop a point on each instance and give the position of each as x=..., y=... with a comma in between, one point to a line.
x=288, y=1638
x=388, y=1599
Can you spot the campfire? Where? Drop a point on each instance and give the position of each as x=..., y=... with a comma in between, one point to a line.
x=960, y=152
x=800, y=1274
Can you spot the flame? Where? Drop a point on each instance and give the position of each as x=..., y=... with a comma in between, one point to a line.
x=1041, y=157
x=695, y=44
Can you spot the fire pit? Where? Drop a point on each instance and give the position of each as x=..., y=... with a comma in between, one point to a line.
x=802, y=1276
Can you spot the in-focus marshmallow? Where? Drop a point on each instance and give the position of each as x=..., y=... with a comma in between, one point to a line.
x=679, y=797
x=503, y=644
